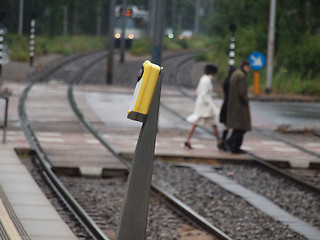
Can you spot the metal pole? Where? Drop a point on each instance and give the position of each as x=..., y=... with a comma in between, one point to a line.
x=6, y=98
x=196, y=17
x=21, y=17
x=134, y=214
x=270, y=53
x=110, y=42
x=123, y=37
x=99, y=7
x=65, y=20
x=151, y=17
x=159, y=8
x=174, y=17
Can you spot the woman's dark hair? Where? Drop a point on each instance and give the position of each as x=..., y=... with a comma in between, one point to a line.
x=210, y=68
x=244, y=63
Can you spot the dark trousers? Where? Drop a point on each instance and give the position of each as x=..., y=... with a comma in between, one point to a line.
x=235, y=140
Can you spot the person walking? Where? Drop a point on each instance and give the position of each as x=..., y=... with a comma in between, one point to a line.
x=223, y=111
x=205, y=111
x=238, y=113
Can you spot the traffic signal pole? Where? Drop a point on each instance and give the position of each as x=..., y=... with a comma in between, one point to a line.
x=111, y=43
x=123, y=35
x=159, y=9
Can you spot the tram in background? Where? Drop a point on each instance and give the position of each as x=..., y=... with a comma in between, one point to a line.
x=136, y=24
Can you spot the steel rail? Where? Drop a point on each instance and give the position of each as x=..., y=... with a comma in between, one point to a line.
x=84, y=219
x=252, y=156
x=181, y=208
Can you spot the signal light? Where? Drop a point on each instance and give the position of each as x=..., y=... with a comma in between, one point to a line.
x=129, y=12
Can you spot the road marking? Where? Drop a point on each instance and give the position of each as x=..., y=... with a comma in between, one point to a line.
x=272, y=143
x=92, y=141
x=311, y=144
x=8, y=224
x=285, y=149
x=49, y=139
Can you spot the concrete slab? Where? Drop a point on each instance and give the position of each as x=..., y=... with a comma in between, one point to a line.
x=36, y=214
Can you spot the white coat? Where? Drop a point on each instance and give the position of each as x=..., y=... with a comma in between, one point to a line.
x=205, y=111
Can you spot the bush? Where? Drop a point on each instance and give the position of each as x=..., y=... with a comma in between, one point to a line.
x=303, y=58
x=201, y=56
x=141, y=47
x=67, y=45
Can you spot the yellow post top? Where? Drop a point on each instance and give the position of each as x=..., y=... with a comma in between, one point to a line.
x=149, y=80
x=143, y=93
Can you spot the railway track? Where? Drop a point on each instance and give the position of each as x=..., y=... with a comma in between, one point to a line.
x=182, y=197
x=91, y=227
x=44, y=162
x=203, y=223
x=234, y=173
x=264, y=162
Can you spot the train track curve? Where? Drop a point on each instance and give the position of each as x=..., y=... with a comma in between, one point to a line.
x=85, y=220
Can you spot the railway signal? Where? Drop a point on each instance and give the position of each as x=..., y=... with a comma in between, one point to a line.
x=32, y=38
x=1, y=41
x=232, y=46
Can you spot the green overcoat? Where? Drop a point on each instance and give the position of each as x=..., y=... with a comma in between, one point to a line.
x=238, y=113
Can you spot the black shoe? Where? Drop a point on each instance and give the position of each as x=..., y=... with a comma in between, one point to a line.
x=187, y=145
x=221, y=146
x=239, y=151
x=227, y=146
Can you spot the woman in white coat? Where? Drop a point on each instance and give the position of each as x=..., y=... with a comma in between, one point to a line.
x=206, y=113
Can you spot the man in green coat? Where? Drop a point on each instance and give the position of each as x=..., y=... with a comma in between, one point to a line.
x=238, y=114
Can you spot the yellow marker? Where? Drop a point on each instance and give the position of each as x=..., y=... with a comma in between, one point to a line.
x=147, y=80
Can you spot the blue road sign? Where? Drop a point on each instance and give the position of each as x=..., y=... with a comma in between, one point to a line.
x=257, y=60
